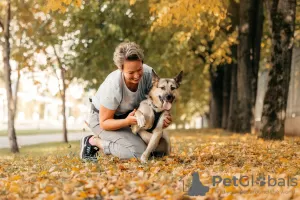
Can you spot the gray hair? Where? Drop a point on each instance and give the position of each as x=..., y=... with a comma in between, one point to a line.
x=125, y=50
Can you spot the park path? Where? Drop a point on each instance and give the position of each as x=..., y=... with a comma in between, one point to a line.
x=38, y=139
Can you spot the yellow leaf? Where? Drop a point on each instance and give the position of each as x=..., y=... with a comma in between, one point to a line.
x=15, y=178
x=230, y=189
x=75, y=169
x=284, y=160
x=83, y=194
x=43, y=173
x=78, y=3
x=132, y=2
x=228, y=27
x=229, y=197
x=48, y=189
x=280, y=170
x=183, y=153
x=14, y=188
x=142, y=189
x=50, y=197
x=94, y=169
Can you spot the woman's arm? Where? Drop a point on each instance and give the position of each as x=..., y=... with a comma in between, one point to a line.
x=108, y=123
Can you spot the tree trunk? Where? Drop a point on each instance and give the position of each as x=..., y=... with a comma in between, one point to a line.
x=233, y=9
x=232, y=113
x=17, y=88
x=7, y=72
x=257, y=28
x=226, y=95
x=216, y=77
x=282, y=15
x=62, y=95
x=248, y=60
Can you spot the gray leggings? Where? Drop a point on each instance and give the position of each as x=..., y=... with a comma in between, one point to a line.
x=123, y=143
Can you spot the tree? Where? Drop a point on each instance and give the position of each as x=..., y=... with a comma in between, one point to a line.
x=53, y=42
x=250, y=31
x=209, y=41
x=281, y=15
x=230, y=117
x=216, y=103
x=62, y=89
x=5, y=25
x=33, y=32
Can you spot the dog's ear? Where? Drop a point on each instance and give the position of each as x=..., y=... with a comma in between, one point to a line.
x=155, y=77
x=178, y=78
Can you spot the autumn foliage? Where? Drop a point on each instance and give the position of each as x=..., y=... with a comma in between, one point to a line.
x=54, y=5
x=59, y=174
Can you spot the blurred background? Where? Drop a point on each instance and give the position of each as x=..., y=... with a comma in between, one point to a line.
x=61, y=51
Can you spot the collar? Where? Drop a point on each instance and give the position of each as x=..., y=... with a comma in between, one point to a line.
x=154, y=108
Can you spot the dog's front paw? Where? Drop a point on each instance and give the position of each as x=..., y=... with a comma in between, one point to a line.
x=141, y=121
x=144, y=158
x=134, y=129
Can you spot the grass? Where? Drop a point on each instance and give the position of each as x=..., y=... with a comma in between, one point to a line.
x=37, y=131
x=42, y=149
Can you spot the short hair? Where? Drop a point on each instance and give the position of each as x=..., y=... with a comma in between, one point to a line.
x=127, y=51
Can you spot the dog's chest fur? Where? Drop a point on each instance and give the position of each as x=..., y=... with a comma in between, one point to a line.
x=149, y=114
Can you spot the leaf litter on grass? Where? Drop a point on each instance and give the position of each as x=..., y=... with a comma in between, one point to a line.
x=60, y=174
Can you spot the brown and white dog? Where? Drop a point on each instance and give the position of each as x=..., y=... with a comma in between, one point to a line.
x=151, y=112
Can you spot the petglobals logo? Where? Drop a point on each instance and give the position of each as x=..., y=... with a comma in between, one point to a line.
x=252, y=180
x=197, y=188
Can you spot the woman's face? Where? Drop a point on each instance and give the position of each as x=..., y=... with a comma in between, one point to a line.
x=133, y=71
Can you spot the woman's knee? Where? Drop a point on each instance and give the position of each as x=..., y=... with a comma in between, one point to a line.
x=138, y=150
x=126, y=145
x=127, y=152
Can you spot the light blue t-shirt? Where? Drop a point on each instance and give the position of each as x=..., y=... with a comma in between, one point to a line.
x=113, y=93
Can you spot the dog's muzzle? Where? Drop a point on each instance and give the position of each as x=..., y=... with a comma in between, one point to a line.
x=166, y=101
x=167, y=98
x=170, y=98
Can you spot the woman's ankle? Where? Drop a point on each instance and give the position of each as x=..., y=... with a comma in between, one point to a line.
x=92, y=141
x=95, y=141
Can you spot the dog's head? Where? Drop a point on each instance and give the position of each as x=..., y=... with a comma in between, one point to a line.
x=163, y=91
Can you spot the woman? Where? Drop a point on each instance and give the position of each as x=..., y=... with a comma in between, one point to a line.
x=114, y=105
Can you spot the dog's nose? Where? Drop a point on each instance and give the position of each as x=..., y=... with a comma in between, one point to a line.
x=169, y=97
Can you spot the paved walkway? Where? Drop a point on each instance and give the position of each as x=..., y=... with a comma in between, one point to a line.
x=37, y=139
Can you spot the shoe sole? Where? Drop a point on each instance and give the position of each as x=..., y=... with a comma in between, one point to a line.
x=81, y=147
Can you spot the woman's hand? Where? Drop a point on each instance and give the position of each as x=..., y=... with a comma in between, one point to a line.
x=131, y=119
x=167, y=120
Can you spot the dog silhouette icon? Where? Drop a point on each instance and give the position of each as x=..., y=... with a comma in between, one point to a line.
x=197, y=187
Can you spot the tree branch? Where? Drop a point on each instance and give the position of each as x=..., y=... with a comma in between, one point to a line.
x=1, y=25
x=62, y=92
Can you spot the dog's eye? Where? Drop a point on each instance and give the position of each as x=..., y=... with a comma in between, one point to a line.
x=173, y=88
x=163, y=88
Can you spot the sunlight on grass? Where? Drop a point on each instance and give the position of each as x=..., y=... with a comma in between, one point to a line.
x=37, y=131
x=57, y=148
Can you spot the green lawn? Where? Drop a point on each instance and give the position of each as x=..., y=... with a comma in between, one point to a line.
x=36, y=131
x=43, y=149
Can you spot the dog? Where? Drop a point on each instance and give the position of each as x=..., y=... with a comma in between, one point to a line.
x=151, y=111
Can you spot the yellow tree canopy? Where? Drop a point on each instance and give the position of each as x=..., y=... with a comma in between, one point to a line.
x=190, y=14
x=61, y=5
x=206, y=20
